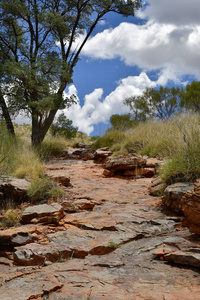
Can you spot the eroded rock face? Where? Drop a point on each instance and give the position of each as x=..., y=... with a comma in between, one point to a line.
x=43, y=213
x=172, y=195
x=14, y=188
x=191, y=207
x=101, y=154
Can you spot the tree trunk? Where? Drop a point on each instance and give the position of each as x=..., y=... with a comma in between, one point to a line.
x=6, y=115
x=39, y=130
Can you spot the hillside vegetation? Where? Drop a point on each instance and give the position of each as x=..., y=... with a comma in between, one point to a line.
x=176, y=140
x=18, y=158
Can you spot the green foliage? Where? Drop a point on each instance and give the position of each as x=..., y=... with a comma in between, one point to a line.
x=122, y=122
x=177, y=140
x=44, y=189
x=190, y=96
x=111, y=140
x=113, y=245
x=10, y=218
x=160, y=103
x=94, y=138
x=8, y=148
x=52, y=146
x=30, y=32
x=63, y=127
x=184, y=164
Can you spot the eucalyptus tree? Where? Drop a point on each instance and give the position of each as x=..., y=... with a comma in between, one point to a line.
x=190, y=96
x=41, y=36
x=161, y=103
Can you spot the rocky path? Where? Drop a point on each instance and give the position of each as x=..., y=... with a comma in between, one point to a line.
x=104, y=247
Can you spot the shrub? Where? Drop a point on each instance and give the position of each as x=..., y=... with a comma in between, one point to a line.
x=11, y=217
x=44, y=189
x=63, y=127
x=52, y=146
x=111, y=140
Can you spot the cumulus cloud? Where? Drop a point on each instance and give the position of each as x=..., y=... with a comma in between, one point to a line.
x=97, y=109
x=179, y=12
x=169, y=41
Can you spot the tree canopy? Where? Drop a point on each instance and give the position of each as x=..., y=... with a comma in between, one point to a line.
x=63, y=127
x=190, y=96
x=161, y=103
x=39, y=37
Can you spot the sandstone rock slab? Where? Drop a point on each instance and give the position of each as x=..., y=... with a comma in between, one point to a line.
x=44, y=213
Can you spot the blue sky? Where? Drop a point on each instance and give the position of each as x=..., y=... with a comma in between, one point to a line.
x=159, y=46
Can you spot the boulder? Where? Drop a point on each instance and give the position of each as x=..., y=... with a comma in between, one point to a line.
x=190, y=203
x=173, y=194
x=124, y=162
x=157, y=187
x=14, y=188
x=43, y=213
x=101, y=154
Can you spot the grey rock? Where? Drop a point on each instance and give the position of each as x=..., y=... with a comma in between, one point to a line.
x=173, y=194
x=14, y=188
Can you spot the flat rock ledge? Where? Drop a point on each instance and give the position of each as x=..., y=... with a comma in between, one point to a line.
x=43, y=213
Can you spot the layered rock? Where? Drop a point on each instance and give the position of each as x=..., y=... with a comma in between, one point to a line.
x=78, y=153
x=43, y=213
x=18, y=236
x=190, y=203
x=129, y=165
x=157, y=187
x=180, y=251
x=173, y=193
x=101, y=154
x=113, y=246
x=14, y=188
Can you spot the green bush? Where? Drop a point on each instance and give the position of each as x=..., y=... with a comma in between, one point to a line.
x=10, y=218
x=111, y=140
x=44, y=189
x=63, y=127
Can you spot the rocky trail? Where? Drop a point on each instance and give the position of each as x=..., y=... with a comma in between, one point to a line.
x=108, y=239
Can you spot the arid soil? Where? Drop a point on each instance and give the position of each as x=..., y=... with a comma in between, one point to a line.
x=104, y=247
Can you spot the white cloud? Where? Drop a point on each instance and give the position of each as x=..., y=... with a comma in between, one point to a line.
x=179, y=12
x=152, y=46
x=98, y=109
x=168, y=41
